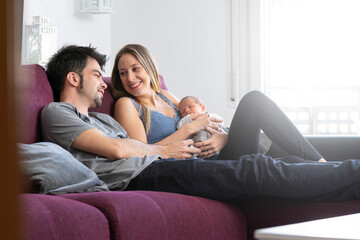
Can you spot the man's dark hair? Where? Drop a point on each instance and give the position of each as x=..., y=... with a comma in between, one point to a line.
x=70, y=58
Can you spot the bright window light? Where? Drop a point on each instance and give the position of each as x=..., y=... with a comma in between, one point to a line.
x=311, y=62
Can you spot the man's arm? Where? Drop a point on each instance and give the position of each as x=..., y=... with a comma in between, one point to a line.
x=94, y=141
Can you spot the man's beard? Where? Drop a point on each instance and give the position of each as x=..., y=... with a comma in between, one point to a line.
x=97, y=102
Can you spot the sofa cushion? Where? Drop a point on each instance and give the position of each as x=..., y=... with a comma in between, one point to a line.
x=50, y=169
x=47, y=217
x=162, y=83
x=160, y=215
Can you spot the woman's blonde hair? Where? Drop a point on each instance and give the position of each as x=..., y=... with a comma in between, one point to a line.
x=143, y=55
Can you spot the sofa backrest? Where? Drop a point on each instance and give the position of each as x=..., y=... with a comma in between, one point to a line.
x=35, y=91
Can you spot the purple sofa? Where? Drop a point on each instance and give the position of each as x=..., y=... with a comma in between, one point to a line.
x=144, y=214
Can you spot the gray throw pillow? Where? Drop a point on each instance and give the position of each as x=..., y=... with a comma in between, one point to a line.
x=50, y=169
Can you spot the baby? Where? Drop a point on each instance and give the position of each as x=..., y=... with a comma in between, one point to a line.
x=189, y=105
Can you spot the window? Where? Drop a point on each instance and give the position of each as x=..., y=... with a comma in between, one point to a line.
x=310, y=57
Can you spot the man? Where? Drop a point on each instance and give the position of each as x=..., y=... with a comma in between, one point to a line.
x=98, y=141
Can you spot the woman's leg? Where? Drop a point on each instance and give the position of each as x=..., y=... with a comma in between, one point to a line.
x=255, y=112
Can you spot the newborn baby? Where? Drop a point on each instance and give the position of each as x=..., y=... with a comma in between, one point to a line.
x=189, y=105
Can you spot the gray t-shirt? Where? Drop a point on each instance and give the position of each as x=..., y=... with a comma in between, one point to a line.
x=62, y=123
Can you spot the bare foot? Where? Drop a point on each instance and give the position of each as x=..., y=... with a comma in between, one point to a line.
x=322, y=160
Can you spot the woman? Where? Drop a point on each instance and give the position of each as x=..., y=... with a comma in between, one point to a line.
x=150, y=114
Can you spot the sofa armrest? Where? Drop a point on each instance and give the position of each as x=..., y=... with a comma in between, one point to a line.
x=335, y=148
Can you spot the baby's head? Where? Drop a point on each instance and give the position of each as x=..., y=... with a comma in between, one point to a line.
x=189, y=105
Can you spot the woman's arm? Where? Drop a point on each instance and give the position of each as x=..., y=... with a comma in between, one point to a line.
x=127, y=115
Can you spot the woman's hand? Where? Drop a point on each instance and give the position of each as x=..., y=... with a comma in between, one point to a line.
x=213, y=120
x=194, y=116
x=200, y=121
x=216, y=123
x=214, y=144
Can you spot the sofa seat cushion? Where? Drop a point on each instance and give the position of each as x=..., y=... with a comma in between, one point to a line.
x=160, y=215
x=50, y=217
x=262, y=213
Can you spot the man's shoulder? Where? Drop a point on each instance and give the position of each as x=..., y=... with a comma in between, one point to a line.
x=100, y=115
x=56, y=109
x=58, y=105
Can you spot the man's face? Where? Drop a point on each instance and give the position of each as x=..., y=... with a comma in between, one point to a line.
x=92, y=86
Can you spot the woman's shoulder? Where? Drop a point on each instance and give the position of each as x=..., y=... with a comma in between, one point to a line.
x=126, y=103
x=172, y=98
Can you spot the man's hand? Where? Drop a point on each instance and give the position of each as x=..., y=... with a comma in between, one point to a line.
x=179, y=149
x=214, y=144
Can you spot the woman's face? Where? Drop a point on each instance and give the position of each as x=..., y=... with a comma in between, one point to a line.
x=133, y=76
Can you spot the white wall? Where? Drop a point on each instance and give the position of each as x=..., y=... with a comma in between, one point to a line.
x=190, y=39
x=74, y=27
